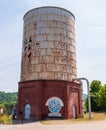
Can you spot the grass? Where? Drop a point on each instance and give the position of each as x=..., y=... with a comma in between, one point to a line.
x=85, y=119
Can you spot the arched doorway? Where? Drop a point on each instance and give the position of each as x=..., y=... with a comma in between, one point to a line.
x=27, y=111
x=74, y=112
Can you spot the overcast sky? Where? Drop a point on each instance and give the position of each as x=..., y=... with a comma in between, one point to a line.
x=90, y=38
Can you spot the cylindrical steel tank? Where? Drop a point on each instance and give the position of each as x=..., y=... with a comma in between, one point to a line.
x=48, y=50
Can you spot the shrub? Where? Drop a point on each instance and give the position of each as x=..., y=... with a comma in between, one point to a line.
x=5, y=119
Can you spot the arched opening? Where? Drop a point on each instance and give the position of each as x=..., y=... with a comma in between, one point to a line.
x=74, y=111
x=27, y=111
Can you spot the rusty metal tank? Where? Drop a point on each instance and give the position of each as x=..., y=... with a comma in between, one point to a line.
x=48, y=50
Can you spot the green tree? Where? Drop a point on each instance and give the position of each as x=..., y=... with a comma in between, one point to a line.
x=95, y=87
x=102, y=98
x=8, y=101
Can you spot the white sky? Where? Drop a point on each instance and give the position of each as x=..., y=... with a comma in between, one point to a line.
x=90, y=38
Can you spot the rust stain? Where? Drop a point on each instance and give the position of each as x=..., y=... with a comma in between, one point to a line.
x=48, y=47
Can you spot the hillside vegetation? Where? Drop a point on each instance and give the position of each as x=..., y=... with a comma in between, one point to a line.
x=8, y=101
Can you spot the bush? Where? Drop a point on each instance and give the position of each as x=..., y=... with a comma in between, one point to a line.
x=5, y=119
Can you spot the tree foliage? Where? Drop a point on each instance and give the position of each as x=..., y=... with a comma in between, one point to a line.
x=102, y=97
x=8, y=101
x=95, y=86
x=98, y=96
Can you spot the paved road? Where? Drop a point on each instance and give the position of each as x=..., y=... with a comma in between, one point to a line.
x=100, y=125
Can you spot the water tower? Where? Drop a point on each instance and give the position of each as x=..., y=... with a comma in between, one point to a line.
x=48, y=65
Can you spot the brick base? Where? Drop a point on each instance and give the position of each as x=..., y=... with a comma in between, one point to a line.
x=36, y=93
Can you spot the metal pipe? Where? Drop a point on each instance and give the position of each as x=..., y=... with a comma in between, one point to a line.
x=89, y=100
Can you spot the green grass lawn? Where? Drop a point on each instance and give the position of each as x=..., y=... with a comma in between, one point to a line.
x=85, y=119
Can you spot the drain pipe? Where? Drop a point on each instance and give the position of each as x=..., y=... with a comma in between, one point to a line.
x=89, y=100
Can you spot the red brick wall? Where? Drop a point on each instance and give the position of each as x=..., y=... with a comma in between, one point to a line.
x=36, y=93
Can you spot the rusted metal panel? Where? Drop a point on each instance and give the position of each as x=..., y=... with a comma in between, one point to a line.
x=43, y=52
x=60, y=76
x=57, y=60
x=56, y=67
x=49, y=59
x=40, y=68
x=46, y=75
x=73, y=49
x=41, y=24
x=37, y=38
x=58, y=17
x=50, y=67
x=48, y=45
x=42, y=59
x=32, y=68
x=46, y=59
x=49, y=51
x=37, y=52
x=36, y=60
x=50, y=16
x=33, y=76
x=32, y=60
